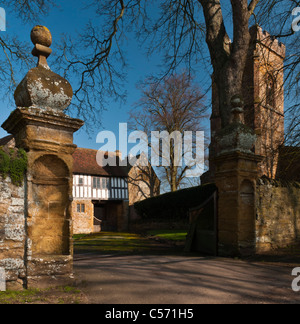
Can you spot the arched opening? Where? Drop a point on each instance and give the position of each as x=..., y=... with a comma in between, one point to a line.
x=247, y=193
x=246, y=224
x=49, y=209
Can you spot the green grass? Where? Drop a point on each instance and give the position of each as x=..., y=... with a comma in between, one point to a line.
x=19, y=297
x=172, y=235
x=54, y=295
x=111, y=242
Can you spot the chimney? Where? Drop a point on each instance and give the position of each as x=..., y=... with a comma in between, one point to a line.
x=119, y=154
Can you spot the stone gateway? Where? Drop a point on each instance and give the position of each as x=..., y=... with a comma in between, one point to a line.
x=44, y=253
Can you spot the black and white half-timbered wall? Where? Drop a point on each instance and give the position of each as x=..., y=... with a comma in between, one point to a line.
x=100, y=195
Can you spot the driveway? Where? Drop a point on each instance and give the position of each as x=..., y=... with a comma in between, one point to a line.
x=160, y=279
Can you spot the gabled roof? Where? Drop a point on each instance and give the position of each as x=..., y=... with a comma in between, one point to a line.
x=85, y=162
x=5, y=140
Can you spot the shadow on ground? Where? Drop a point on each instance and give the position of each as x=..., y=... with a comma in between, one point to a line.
x=113, y=243
x=289, y=255
x=124, y=268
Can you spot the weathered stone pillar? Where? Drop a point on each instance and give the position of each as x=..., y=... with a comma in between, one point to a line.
x=46, y=133
x=235, y=176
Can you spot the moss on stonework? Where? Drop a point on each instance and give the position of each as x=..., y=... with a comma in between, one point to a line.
x=233, y=128
x=13, y=164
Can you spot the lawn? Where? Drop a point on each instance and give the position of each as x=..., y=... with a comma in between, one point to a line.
x=172, y=235
x=112, y=242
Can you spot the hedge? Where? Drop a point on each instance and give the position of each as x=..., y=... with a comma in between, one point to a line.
x=174, y=205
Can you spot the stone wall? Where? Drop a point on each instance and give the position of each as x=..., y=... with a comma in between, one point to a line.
x=83, y=222
x=12, y=233
x=113, y=216
x=278, y=215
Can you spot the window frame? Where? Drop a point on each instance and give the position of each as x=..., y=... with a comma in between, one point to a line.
x=80, y=208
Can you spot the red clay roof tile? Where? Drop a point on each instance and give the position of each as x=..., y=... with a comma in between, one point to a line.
x=85, y=163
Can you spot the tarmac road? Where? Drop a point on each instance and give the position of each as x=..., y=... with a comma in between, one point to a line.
x=152, y=279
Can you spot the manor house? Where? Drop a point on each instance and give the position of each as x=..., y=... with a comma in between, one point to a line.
x=103, y=196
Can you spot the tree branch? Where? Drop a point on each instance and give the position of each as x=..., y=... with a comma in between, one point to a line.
x=252, y=6
x=216, y=35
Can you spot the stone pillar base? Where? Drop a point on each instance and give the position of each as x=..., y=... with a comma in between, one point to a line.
x=49, y=271
x=235, y=177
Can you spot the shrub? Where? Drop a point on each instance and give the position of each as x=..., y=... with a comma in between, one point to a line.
x=4, y=163
x=13, y=164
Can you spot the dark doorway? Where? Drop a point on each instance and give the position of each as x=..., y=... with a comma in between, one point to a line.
x=106, y=216
x=99, y=217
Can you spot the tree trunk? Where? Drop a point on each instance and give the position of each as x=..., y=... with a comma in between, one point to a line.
x=173, y=176
x=228, y=58
x=229, y=83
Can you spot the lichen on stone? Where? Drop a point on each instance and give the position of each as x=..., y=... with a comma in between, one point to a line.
x=41, y=88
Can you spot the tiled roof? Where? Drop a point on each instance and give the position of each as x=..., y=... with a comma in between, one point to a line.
x=85, y=163
x=6, y=140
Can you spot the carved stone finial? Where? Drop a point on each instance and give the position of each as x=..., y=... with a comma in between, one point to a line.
x=236, y=137
x=237, y=110
x=42, y=39
x=41, y=88
x=41, y=35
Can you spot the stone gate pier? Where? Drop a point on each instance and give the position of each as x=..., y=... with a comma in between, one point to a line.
x=40, y=126
x=236, y=173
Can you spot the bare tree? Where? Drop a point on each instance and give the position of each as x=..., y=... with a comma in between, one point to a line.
x=179, y=31
x=183, y=32
x=167, y=110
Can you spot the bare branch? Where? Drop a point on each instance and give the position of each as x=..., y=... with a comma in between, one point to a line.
x=252, y=6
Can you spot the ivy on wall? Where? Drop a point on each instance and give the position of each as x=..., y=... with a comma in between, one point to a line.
x=13, y=164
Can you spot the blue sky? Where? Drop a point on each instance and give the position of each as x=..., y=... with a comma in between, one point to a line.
x=70, y=18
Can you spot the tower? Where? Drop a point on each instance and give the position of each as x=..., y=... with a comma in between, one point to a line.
x=263, y=95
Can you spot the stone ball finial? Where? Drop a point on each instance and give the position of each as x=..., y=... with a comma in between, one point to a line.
x=42, y=40
x=41, y=88
x=236, y=136
x=237, y=102
x=237, y=109
x=41, y=35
